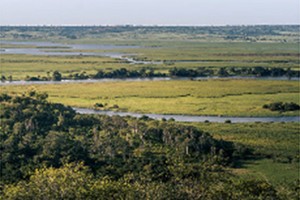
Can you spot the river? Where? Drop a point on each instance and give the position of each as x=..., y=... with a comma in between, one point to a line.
x=190, y=118
x=58, y=49
x=8, y=83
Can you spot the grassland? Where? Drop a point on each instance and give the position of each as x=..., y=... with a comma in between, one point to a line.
x=223, y=54
x=268, y=139
x=275, y=147
x=212, y=97
x=241, y=51
x=19, y=66
x=274, y=172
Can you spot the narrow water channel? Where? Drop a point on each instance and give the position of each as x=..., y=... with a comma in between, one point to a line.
x=8, y=83
x=190, y=118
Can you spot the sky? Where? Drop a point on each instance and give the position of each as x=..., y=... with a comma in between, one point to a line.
x=149, y=12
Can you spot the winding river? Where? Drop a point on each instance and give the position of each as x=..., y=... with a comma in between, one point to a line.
x=191, y=118
x=58, y=49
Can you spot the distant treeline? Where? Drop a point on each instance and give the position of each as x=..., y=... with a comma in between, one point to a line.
x=76, y=32
x=118, y=73
x=125, y=73
x=174, y=72
x=234, y=71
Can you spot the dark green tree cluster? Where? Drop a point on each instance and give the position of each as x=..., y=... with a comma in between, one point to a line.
x=56, y=76
x=75, y=181
x=125, y=73
x=282, y=107
x=174, y=72
x=50, y=152
x=118, y=73
x=234, y=71
x=8, y=78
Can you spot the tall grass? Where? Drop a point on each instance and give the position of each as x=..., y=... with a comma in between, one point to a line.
x=212, y=97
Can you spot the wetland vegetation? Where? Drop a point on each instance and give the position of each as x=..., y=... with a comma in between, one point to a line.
x=48, y=151
x=204, y=97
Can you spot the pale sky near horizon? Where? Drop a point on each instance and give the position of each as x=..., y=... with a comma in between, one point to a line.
x=149, y=12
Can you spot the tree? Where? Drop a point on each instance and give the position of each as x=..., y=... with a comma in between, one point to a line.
x=56, y=76
x=69, y=182
x=222, y=72
x=3, y=78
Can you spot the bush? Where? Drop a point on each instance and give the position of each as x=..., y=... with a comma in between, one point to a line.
x=56, y=76
x=282, y=107
x=115, y=106
x=98, y=105
x=227, y=121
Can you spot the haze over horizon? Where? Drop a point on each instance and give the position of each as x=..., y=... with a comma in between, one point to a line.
x=149, y=12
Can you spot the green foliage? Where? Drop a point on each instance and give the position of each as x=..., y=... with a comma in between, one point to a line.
x=56, y=76
x=282, y=107
x=36, y=132
x=128, y=158
x=124, y=158
x=275, y=148
x=234, y=71
x=74, y=181
x=270, y=140
x=68, y=182
x=125, y=73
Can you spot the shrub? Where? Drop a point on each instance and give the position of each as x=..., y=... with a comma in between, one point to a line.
x=98, y=105
x=282, y=107
x=227, y=121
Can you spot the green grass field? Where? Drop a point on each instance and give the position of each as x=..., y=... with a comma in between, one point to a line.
x=271, y=139
x=273, y=145
x=19, y=66
x=212, y=97
x=240, y=51
x=274, y=172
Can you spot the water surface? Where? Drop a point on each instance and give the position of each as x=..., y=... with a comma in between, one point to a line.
x=190, y=118
x=8, y=83
x=58, y=49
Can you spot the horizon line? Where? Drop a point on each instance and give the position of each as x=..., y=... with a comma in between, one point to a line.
x=145, y=25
